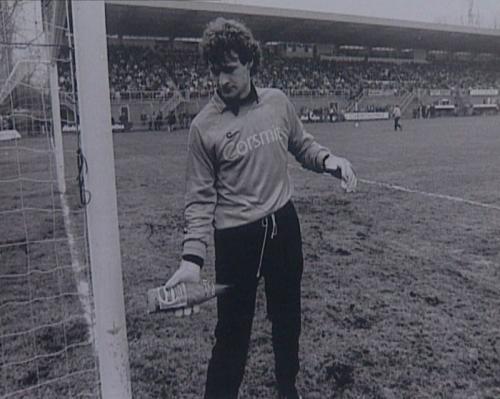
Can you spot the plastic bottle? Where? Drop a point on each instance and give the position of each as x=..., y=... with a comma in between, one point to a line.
x=182, y=295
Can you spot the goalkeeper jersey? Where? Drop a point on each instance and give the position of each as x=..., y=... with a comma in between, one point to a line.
x=237, y=164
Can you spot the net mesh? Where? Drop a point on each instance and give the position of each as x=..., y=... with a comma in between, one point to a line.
x=46, y=309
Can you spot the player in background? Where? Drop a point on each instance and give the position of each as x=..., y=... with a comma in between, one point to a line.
x=238, y=188
x=396, y=113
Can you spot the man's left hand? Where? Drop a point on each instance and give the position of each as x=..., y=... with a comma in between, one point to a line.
x=342, y=169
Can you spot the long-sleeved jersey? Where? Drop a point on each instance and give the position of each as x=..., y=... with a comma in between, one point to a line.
x=237, y=166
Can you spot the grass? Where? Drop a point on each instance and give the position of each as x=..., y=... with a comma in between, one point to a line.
x=401, y=292
x=45, y=348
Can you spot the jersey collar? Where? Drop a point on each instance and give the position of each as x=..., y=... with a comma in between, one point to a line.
x=234, y=106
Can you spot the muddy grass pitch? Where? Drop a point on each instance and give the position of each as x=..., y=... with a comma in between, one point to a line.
x=401, y=290
x=401, y=287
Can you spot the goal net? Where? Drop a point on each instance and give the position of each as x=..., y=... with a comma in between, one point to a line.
x=48, y=335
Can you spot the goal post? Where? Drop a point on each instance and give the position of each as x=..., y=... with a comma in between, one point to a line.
x=47, y=346
x=53, y=40
x=97, y=142
x=62, y=311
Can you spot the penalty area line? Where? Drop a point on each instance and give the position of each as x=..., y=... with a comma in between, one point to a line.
x=433, y=195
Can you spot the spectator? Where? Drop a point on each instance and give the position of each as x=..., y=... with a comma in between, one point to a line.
x=171, y=121
x=396, y=113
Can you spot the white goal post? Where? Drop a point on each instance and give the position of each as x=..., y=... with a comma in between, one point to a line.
x=62, y=313
x=97, y=140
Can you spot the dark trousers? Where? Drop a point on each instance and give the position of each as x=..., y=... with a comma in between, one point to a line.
x=397, y=124
x=271, y=248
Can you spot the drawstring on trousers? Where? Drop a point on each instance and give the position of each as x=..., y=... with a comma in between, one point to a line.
x=274, y=233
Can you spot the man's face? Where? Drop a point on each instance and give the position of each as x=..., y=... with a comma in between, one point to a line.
x=233, y=77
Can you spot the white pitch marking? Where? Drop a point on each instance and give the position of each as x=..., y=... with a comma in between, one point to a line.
x=434, y=195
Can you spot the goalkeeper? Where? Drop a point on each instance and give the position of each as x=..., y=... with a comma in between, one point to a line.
x=237, y=181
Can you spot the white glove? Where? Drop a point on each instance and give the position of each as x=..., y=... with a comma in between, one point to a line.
x=342, y=169
x=188, y=272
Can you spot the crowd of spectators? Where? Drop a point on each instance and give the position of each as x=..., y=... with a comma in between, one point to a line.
x=160, y=73
x=161, y=70
x=134, y=68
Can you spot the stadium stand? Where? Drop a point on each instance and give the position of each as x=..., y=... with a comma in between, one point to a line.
x=172, y=84
x=135, y=69
x=159, y=81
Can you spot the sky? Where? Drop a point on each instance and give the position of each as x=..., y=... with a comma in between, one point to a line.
x=436, y=11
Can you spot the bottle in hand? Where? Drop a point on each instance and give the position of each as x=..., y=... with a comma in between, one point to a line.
x=183, y=295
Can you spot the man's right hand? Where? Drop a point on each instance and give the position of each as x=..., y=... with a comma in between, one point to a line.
x=188, y=272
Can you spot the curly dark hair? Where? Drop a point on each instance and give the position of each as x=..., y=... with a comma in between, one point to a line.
x=222, y=36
